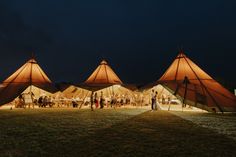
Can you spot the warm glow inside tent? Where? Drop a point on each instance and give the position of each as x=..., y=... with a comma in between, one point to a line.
x=73, y=92
x=165, y=99
x=104, y=80
x=120, y=93
x=190, y=84
x=29, y=78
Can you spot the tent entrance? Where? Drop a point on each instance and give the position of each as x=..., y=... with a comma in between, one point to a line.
x=28, y=98
x=167, y=100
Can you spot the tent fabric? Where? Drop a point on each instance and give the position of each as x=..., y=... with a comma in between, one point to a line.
x=105, y=80
x=93, y=87
x=76, y=92
x=103, y=75
x=116, y=90
x=29, y=74
x=161, y=91
x=195, y=87
x=96, y=87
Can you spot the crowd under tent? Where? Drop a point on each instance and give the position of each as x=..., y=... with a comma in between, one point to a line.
x=104, y=80
x=28, y=82
x=190, y=84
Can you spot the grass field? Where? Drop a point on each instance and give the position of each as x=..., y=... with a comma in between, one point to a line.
x=221, y=123
x=108, y=132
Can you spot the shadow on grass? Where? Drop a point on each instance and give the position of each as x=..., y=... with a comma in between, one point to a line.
x=149, y=134
x=157, y=134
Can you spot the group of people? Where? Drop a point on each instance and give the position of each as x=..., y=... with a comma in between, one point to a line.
x=95, y=100
x=28, y=99
x=25, y=99
x=165, y=100
x=154, y=103
x=45, y=101
x=100, y=101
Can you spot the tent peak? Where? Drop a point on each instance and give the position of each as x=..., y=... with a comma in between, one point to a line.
x=181, y=54
x=103, y=75
x=32, y=60
x=104, y=62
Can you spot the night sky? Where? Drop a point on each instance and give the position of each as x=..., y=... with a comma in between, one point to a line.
x=139, y=39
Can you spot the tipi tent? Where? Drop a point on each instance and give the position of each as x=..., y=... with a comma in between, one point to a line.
x=195, y=87
x=103, y=76
x=28, y=78
x=105, y=80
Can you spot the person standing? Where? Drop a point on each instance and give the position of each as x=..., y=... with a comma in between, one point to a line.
x=40, y=101
x=96, y=99
x=152, y=99
x=169, y=100
x=155, y=100
x=101, y=101
x=45, y=101
x=91, y=101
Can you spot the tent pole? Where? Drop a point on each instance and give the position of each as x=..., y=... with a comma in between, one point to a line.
x=111, y=92
x=217, y=105
x=141, y=95
x=31, y=68
x=161, y=92
x=84, y=99
x=186, y=82
x=175, y=93
x=31, y=95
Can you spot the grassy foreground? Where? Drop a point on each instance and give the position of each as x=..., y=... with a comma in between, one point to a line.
x=121, y=132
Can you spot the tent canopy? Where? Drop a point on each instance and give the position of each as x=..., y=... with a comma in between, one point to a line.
x=30, y=74
x=102, y=77
x=76, y=92
x=195, y=87
x=105, y=80
x=103, y=74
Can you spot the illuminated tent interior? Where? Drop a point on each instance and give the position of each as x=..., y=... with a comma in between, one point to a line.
x=194, y=87
x=29, y=78
x=104, y=80
x=73, y=92
x=183, y=83
x=166, y=100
